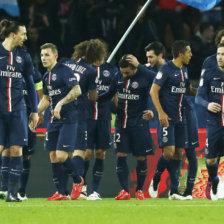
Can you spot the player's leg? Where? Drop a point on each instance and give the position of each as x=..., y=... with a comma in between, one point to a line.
x=192, y=171
x=140, y=140
x=57, y=168
x=91, y=142
x=174, y=166
x=97, y=173
x=28, y=151
x=4, y=172
x=65, y=145
x=17, y=137
x=212, y=150
x=121, y=140
x=102, y=141
x=192, y=143
x=166, y=141
x=80, y=146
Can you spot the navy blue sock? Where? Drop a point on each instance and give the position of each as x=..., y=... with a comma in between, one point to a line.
x=122, y=172
x=212, y=172
x=86, y=165
x=79, y=165
x=97, y=173
x=161, y=166
x=141, y=171
x=58, y=177
x=15, y=169
x=217, y=166
x=174, y=167
x=24, y=175
x=5, y=171
x=192, y=168
x=71, y=167
x=66, y=177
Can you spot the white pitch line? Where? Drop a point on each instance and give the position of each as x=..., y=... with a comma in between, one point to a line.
x=103, y=206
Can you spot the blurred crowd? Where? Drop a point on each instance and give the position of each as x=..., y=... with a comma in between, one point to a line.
x=67, y=22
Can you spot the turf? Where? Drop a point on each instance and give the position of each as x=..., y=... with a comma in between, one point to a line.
x=154, y=211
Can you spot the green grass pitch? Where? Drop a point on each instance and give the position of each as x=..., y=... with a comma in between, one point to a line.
x=150, y=211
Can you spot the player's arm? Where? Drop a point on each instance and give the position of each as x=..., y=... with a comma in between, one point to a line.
x=134, y=61
x=154, y=93
x=148, y=114
x=43, y=104
x=39, y=90
x=191, y=91
x=201, y=98
x=92, y=95
x=32, y=95
x=73, y=94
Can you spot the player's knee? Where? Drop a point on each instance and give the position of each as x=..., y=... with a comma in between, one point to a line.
x=6, y=153
x=80, y=153
x=100, y=154
x=53, y=157
x=15, y=151
x=121, y=154
x=61, y=156
x=177, y=155
x=168, y=155
x=141, y=158
x=211, y=162
x=88, y=154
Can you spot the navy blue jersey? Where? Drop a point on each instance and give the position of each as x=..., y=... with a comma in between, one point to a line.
x=153, y=69
x=97, y=110
x=57, y=84
x=132, y=96
x=173, y=82
x=36, y=78
x=86, y=76
x=211, y=89
x=15, y=66
x=209, y=62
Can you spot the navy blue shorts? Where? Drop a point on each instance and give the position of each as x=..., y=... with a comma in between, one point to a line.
x=191, y=131
x=13, y=128
x=174, y=135
x=136, y=140
x=98, y=134
x=30, y=148
x=214, y=142
x=61, y=136
x=81, y=138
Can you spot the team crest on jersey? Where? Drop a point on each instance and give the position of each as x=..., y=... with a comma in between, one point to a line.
x=159, y=75
x=134, y=85
x=53, y=77
x=165, y=139
x=185, y=75
x=106, y=73
x=18, y=59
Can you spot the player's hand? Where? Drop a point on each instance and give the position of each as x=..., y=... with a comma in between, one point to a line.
x=132, y=60
x=147, y=115
x=164, y=119
x=33, y=119
x=57, y=110
x=214, y=107
x=41, y=120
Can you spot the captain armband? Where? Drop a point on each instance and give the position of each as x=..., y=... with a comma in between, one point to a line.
x=39, y=85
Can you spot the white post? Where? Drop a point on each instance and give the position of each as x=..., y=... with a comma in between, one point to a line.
x=128, y=30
